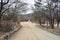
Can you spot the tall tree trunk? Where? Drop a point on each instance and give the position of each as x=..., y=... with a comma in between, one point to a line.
x=47, y=23
x=57, y=24
x=40, y=21
x=0, y=22
x=52, y=24
x=1, y=12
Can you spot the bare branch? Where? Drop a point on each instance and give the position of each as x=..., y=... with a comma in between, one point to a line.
x=6, y=2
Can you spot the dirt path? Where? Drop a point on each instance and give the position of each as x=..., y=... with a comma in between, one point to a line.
x=30, y=32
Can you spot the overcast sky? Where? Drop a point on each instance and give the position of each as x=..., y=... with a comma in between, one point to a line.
x=31, y=3
x=28, y=1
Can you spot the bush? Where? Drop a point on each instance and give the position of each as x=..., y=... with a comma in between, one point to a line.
x=6, y=26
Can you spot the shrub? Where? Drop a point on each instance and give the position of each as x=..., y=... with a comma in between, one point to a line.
x=6, y=26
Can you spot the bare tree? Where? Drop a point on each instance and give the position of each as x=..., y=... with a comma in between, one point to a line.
x=1, y=7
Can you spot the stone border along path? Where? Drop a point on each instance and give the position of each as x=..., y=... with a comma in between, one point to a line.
x=9, y=34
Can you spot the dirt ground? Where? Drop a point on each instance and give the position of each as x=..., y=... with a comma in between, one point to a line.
x=56, y=29
x=30, y=31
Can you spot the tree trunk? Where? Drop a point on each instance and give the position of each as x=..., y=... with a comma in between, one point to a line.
x=1, y=12
x=52, y=26
x=47, y=23
x=52, y=23
x=57, y=24
x=0, y=22
x=40, y=21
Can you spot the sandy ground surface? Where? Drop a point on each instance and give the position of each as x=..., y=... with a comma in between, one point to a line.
x=30, y=31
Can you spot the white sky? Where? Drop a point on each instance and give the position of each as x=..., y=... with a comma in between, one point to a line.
x=28, y=1
x=31, y=2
